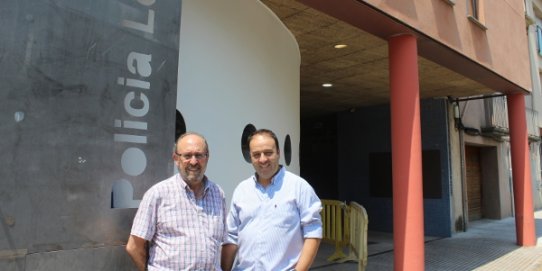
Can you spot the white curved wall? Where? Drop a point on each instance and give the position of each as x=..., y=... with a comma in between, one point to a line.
x=238, y=65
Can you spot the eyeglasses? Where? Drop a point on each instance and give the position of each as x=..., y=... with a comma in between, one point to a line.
x=188, y=156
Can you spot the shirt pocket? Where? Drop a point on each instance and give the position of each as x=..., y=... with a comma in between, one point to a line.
x=286, y=214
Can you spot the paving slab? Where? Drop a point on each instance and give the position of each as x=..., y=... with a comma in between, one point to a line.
x=487, y=245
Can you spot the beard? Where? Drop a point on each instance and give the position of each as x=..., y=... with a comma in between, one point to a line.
x=192, y=174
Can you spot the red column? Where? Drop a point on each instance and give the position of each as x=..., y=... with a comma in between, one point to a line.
x=408, y=232
x=521, y=171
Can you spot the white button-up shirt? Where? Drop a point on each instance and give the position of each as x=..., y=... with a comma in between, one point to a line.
x=269, y=224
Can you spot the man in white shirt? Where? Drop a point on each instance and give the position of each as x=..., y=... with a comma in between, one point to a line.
x=274, y=221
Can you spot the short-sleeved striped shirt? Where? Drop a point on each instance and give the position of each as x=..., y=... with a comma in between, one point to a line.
x=184, y=233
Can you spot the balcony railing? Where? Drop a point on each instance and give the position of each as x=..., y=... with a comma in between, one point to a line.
x=496, y=117
x=532, y=124
x=496, y=111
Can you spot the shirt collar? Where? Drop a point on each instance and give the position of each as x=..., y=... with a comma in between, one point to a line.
x=185, y=186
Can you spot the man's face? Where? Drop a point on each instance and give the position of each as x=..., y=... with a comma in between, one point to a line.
x=191, y=158
x=264, y=156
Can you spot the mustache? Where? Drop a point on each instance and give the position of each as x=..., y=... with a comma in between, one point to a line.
x=193, y=167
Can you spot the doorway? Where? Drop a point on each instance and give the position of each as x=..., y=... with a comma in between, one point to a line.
x=474, y=183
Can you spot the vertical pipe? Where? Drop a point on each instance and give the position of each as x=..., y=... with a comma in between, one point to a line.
x=464, y=196
x=521, y=171
x=408, y=231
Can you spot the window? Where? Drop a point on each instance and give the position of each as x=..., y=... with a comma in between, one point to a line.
x=476, y=12
x=249, y=129
x=287, y=150
x=539, y=39
x=540, y=163
x=380, y=174
x=474, y=8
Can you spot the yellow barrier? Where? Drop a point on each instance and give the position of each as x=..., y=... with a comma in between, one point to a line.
x=346, y=226
x=333, y=212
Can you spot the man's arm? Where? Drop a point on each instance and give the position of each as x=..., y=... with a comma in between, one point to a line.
x=137, y=249
x=308, y=253
x=228, y=256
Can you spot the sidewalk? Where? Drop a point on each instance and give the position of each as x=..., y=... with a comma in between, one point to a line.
x=487, y=245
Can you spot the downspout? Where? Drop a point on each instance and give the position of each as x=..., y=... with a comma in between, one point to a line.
x=459, y=126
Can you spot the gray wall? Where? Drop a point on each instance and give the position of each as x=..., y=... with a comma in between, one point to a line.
x=367, y=131
x=87, y=98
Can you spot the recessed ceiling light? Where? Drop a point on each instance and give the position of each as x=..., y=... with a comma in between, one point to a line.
x=340, y=46
x=327, y=85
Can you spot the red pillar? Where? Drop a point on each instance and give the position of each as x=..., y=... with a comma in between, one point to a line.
x=408, y=232
x=521, y=171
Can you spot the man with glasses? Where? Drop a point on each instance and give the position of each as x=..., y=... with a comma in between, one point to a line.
x=180, y=221
x=274, y=222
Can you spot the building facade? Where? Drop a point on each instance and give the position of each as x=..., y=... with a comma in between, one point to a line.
x=95, y=93
x=534, y=101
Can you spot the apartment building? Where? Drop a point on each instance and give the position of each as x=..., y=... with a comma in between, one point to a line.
x=533, y=15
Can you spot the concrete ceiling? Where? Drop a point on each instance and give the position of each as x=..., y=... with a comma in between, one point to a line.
x=359, y=72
